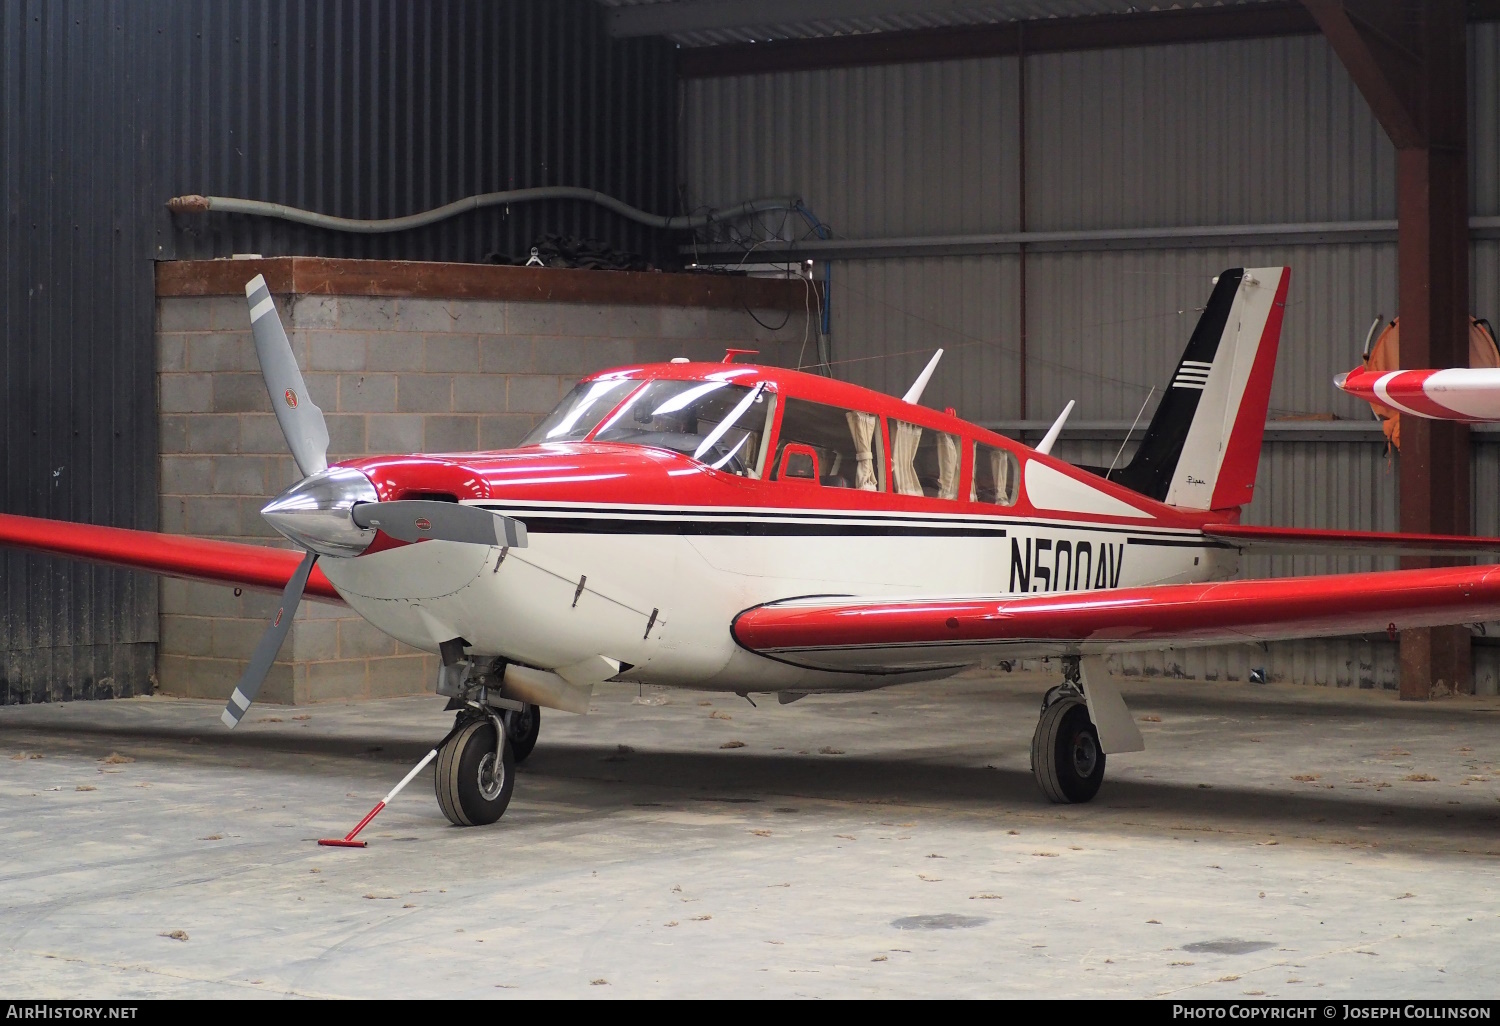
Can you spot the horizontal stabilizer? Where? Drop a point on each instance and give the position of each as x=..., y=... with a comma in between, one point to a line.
x=1303, y=541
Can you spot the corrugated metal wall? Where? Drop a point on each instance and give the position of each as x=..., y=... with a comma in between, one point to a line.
x=377, y=108
x=364, y=108
x=1248, y=132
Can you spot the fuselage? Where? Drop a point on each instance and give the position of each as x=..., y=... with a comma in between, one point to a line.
x=643, y=551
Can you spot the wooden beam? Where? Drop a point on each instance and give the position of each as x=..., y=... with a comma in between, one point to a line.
x=416, y=279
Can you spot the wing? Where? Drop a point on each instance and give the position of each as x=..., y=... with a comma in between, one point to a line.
x=1315, y=541
x=199, y=559
x=901, y=635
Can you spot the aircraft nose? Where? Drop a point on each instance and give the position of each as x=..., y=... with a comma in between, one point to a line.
x=315, y=512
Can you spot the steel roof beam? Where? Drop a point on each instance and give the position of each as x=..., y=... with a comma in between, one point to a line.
x=1049, y=35
x=1262, y=20
x=665, y=19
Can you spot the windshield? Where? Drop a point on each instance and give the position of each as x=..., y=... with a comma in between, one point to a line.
x=714, y=421
x=580, y=411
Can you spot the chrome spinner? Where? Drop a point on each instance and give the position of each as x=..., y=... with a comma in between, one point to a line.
x=314, y=512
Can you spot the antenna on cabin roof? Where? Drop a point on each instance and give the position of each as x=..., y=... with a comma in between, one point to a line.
x=1045, y=445
x=914, y=393
x=730, y=355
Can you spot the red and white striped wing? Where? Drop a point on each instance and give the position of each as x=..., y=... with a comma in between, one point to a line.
x=1460, y=393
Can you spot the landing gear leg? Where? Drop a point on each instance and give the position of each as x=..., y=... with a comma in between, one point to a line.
x=476, y=767
x=476, y=773
x=1066, y=757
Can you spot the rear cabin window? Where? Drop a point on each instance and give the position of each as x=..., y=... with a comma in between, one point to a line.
x=924, y=461
x=996, y=474
x=833, y=447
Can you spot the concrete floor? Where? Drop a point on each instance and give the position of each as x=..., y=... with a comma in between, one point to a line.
x=1276, y=841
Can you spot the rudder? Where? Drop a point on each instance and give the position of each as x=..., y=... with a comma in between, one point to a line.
x=1202, y=448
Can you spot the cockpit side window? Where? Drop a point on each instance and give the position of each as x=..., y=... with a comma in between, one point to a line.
x=844, y=448
x=924, y=461
x=715, y=421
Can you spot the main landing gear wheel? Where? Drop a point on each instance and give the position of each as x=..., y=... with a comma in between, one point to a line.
x=521, y=730
x=1065, y=755
x=473, y=785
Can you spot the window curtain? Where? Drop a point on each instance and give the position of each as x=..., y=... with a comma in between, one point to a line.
x=904, y=458
x=862, y=426
x=947, y=451
x=1000, y=464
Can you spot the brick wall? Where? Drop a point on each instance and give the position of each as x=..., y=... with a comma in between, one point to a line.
x=391, y=375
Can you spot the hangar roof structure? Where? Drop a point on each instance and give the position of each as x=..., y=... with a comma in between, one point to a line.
x=694, y=23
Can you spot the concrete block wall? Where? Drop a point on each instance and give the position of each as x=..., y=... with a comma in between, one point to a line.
x=391, y=375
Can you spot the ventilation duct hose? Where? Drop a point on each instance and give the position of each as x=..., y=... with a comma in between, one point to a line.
x=260, y=208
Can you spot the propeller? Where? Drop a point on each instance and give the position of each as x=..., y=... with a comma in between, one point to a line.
x=268, y=646
x=333, y=512
x=301, y=421
x=411, y=520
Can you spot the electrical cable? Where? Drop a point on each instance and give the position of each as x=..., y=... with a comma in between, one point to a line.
x=261, y=208
x=762, y=323
x=823, y=231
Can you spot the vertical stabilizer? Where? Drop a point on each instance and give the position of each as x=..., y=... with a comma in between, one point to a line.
x=1203, y=446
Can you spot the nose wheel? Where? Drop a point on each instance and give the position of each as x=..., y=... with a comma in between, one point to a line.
x=476, y=773
x=1066, y=757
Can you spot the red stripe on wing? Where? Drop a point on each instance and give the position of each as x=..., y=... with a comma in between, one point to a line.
x=1260, y=610
x=199, y=559
x=1409, y=388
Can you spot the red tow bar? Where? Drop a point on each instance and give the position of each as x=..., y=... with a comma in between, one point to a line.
x=348, y=841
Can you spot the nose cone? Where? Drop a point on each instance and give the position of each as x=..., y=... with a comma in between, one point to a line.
x=314, y=512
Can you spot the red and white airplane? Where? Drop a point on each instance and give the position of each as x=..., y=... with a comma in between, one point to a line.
x=740, y=528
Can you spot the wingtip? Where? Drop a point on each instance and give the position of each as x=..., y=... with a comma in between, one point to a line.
x=1339, y=379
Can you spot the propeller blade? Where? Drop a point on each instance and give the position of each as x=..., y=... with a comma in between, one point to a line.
x=301, y=421
x=412, y=520
x=268, y=645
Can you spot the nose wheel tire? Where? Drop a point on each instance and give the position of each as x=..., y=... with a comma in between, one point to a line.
x=1065, y=755
x=473, y=788
x=521, y=730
